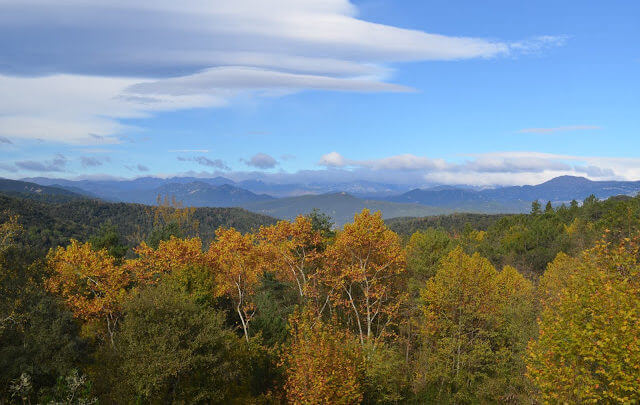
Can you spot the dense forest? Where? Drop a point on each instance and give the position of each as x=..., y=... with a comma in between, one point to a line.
x=50, y=222
x=124, y=303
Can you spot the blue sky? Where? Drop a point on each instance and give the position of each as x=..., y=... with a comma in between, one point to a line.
x=307, y=90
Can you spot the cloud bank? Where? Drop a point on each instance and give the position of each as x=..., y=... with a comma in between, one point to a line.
x=134, y=59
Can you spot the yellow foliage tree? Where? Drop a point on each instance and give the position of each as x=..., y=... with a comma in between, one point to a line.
x=91, y=284
x=293, y=250
x=588, y=348
x=172, y=254
x=476, y=325
x=237, y=264
x=363, y=267
x=322, y=363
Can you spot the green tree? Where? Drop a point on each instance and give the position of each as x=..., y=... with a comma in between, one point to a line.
x=476, y=324
x=424, y=251
x=38, y=338
x=108, y=238
x=173, y=350
x=536, y=208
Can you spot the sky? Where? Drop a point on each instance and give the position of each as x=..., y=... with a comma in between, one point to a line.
x=415, y=92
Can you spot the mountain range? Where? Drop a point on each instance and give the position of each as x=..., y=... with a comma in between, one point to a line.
x=515, y=199
x=340, y=201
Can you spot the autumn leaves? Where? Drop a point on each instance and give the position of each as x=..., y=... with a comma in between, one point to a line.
x=356, y=272
x=366, y=326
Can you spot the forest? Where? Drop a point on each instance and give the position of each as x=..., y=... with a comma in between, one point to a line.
x=171, y=304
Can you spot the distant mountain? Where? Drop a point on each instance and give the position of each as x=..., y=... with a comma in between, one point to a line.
x=341, y=200
x=118, y=190
x=517, y=198
x=200, y=194
x=340, y=206
x=35, y=191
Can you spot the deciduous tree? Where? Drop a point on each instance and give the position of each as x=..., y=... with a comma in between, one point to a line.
x=588, y=347
x=293, y=250
x=237, y=264
x=475, y=327
x=363, y=268
x=90, y=283
x=322, y=363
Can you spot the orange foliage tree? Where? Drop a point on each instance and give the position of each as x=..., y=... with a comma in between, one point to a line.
x=293, y=250
x=171, y=254
x=237, y=264
x=90, y=282
x=322, y=363
x=362, y=267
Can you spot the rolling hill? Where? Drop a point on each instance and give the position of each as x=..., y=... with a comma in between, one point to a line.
x=340, y=206
x=35, y=191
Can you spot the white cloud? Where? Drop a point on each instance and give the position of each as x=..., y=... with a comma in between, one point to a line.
x=499, y=168
x=333, y=159
x=132, y=59
x=398, y=162
x=78, y=109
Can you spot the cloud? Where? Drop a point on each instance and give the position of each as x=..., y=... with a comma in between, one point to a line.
x=204, y=161
x=135, y=59
x=190, y=150
x=261, y=161
x=91, y=161
x=138, y=167
x=5, y=140
x=333, y=159
x=559, y=129
x=488, y=169
x=8, y=168
x=398, y=162
x=57, y=164
x=538, y=44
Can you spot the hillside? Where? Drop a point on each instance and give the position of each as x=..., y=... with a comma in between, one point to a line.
x=51, y=224
x=454, y=223
x=340, y=206
x=35, y=191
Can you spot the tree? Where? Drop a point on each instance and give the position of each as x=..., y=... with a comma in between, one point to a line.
x=548, y=209
x=174, y=350
x=237, y=265
x=293, y=249
x=171, y=218
x=476, y=324
x=321, y=362
x=91, y=284
x=39, y=339
x=587, y=349
x=321, y=222
x=108, y=238
x=170, y=255
x=363, y=268
x=424, y=251
x=535, y=208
